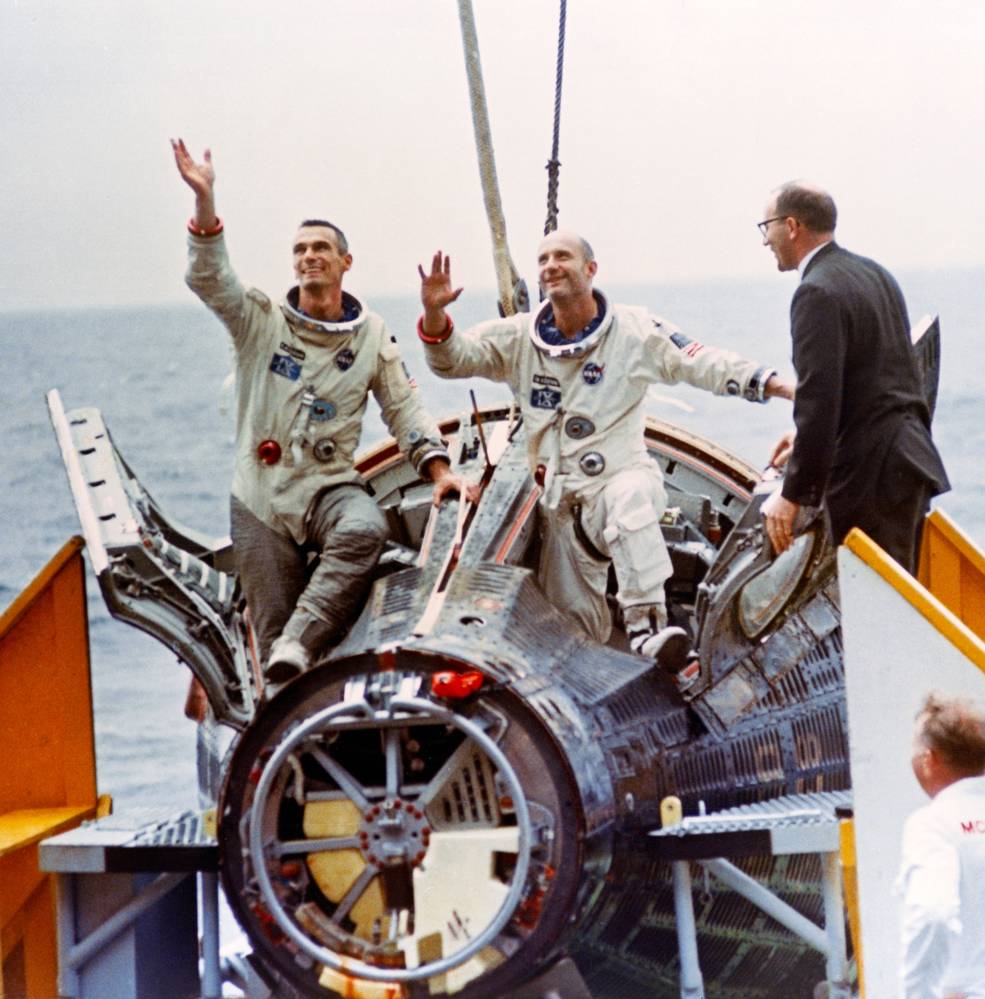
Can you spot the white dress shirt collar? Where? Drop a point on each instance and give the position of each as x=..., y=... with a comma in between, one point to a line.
x=810, y=256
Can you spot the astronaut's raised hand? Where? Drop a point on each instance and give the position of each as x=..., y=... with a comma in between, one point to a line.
x=200, y=177
x=436, y=293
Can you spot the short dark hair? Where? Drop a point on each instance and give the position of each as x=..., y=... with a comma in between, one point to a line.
x=341, y=242
x=954, y=728
x=813, y=208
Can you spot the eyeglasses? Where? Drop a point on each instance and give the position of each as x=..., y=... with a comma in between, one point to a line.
x=762, y=226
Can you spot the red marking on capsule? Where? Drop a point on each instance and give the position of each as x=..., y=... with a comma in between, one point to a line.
x=387, y=660
x=268, y=924
x=529, y=911
x=268, y=452
x=689, y=674
x=540, y=474
x=456, y=686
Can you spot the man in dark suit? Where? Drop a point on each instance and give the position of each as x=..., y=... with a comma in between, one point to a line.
x=862, y=444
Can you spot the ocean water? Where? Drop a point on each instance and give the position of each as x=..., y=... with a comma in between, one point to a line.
x=157, y=374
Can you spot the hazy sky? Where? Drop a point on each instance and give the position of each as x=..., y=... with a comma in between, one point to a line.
x=679, y=116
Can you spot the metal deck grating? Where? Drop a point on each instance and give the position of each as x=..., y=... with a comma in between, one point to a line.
x=796, y=823
x=147, y=840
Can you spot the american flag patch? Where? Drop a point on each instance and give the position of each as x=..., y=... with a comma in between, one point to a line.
x=685, y=344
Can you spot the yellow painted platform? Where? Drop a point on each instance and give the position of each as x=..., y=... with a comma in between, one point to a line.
x=28, y=826
x=48, y=779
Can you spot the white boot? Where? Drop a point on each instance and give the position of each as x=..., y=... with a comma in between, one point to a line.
x=288, y=658
x=669, y=647
x=649, y=636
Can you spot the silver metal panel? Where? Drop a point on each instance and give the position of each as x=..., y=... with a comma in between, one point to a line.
x=798, y=823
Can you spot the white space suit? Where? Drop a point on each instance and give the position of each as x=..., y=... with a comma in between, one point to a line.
x=582, y=404
x=302, y=386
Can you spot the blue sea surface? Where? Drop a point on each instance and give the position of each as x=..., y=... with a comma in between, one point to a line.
x=157, y=374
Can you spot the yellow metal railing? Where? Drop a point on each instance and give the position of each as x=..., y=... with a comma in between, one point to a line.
x=953, y=569
x=950, y=612
x=48, y=777
x=849, y=876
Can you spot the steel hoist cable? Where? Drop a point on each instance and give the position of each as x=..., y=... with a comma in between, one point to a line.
x=554, y=164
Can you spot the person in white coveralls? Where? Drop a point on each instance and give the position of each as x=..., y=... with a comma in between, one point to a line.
x=579, y=368
x=942, y=873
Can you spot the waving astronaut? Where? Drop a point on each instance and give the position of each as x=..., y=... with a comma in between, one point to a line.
x=580, y=368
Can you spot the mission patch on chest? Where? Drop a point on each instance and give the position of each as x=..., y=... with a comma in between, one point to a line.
x=546, y=392
x=286, y=367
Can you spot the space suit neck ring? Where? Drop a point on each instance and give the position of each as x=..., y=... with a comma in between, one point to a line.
x=353, y=315
x=574, y=348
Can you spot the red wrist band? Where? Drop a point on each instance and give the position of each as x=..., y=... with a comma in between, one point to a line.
x=196, y=230
x=428, y=338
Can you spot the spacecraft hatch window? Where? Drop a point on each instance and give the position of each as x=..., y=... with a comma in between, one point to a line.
x=767, y=593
